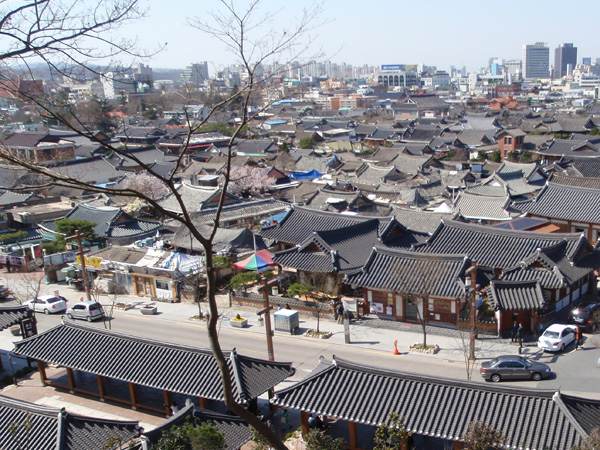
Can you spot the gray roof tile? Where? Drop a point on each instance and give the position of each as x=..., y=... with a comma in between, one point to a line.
x=440, y=407
x=176, y=368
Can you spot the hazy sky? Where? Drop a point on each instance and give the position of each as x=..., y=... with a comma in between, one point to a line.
x=433, y=32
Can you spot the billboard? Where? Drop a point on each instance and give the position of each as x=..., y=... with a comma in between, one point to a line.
x=399, y=67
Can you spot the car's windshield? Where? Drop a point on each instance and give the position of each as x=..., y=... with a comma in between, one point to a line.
x=551, y=334
x=493, y=362
x=527, y=362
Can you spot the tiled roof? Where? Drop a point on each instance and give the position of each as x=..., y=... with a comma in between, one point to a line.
x=568, y=147
x=110, y=222
x=193, y=197
x=9, y=198
x=412, y=273
x=235, y=430
x=342, y=249
x=12, y=315
x=552, y=267
x=439, y=407
x=300, y=222
x=480, y=207
x=375, y=175
x=516, y=295
x=176, y=368
x=487, y=190
x=493, y=247
x=52, y=428
x=580, y=182
x=586, y=167
x=558, y=201
x=243, y=210
x=411, y=164
x=421, y=221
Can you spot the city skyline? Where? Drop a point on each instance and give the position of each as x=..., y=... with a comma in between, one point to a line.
x=466, y=33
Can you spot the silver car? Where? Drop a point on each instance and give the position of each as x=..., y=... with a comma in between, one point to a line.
x=86, y=311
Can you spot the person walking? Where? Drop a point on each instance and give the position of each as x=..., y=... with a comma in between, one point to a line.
x=340, y=312
x=577, y=337
x=514, y=329
x=520, y=331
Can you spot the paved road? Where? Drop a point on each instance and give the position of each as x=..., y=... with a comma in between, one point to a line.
x=575, y=371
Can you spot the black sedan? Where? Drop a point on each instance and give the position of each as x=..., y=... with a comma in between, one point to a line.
x=586, y=316
x=509, y=367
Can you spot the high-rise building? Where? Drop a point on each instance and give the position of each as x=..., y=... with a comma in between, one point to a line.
x=195, y=74
x=536, y=60
x=565, y=55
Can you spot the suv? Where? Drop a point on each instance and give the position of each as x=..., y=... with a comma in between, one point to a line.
x=586, y=316
x=86, y=311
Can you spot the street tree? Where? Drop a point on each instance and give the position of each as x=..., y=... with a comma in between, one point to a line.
x=481, y=436
x=392, y=435
x=68, y=227
x=319, y=440
x=255, y=39
x=592, y=442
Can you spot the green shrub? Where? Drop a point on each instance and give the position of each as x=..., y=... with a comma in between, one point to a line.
x=6, y=380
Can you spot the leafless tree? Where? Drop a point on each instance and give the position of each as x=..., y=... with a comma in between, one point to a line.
x=481, y=436
x=27, y=287
x=253, y=39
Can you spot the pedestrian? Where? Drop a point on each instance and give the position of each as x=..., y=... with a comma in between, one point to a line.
x=340, y=313
x=520, y=332
x=577, y=337
x=515, y=328
x=7, y=264
x=287, y=306
x=334, y=306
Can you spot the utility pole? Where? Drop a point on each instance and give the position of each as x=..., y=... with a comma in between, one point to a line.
x=267, y=312
x=78, y=237
x=472, y=289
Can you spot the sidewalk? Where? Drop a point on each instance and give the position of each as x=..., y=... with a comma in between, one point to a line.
x=371, y=333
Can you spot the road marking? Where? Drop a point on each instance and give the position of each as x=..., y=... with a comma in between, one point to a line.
x=251, y=351
x=381, y=353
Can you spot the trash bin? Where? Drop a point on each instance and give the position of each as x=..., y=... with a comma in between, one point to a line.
x=287, y=320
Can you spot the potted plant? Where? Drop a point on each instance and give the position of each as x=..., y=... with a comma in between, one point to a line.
x=149, y=310
x=239, y=322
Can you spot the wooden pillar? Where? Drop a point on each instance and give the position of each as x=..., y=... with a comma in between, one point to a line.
x=71, y=377
x=353, y=435
x=101, y=387
x=203, y=403
x=42, y=370
x=304, y=422
x=167, y=399
x=457, y=445
x=133, y=395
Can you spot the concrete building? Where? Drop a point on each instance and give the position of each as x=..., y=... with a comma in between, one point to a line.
x=536, y=60
x=195, y=74
x=565, y=55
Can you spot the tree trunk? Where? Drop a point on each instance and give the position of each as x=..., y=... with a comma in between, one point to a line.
x=213, y=337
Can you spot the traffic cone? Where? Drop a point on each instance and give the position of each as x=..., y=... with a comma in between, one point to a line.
x=396, y=352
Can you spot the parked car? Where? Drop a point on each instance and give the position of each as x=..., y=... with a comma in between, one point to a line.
x=4, y=292
x=586, y=316
x=509, y=367
x=47, y=304
x=86, y=311
x=556, y=337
